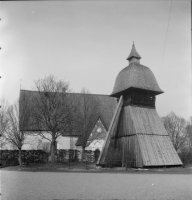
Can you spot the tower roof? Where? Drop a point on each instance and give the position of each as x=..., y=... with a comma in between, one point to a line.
x=133, y=53
x=135, y=76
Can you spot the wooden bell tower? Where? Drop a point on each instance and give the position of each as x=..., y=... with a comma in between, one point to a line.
x=136, y=136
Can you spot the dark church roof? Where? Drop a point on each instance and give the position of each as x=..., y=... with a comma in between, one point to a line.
x=106, y=108
x=137, y=76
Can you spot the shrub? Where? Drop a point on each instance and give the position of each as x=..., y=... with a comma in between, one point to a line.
x=186, y=155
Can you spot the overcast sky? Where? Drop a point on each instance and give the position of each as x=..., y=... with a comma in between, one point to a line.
x=87, y=42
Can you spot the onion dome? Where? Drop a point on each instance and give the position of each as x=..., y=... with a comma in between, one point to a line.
x=135, y=76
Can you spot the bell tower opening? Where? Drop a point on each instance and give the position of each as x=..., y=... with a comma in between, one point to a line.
x=140, y=98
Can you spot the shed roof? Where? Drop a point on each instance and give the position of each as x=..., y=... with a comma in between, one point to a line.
x=137, y=76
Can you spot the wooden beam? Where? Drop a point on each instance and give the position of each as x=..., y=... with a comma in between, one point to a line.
x=114, y=122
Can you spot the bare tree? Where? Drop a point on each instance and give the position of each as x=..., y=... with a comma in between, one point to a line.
x=3, y=121
x=176, y=128
x=189, y=131
x=14, y=135
x=42, y=145
x=46, y=147
x=86, y=117
x=53, y=110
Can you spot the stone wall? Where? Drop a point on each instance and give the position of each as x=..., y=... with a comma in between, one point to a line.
x=10, y=157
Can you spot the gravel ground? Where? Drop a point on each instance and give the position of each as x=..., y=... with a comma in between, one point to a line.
x=50, y=185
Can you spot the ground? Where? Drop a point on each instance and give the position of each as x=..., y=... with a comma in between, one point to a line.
x=91, y=167
x=55, y=183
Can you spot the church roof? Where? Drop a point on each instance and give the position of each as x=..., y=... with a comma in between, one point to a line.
x=137, y=76
x=133, y=53
x=106, y=108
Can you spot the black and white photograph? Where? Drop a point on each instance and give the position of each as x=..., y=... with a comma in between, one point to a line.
x=95, y=100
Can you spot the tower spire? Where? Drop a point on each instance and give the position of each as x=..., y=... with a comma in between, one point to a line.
x=134, y=56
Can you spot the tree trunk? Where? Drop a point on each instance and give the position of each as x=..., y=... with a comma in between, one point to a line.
x=20, y=158
x=53, y=151
x=83, y=154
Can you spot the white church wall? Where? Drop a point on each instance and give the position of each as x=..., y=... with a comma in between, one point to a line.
x=34, y=142
x=66, y=142
x=95, y=144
